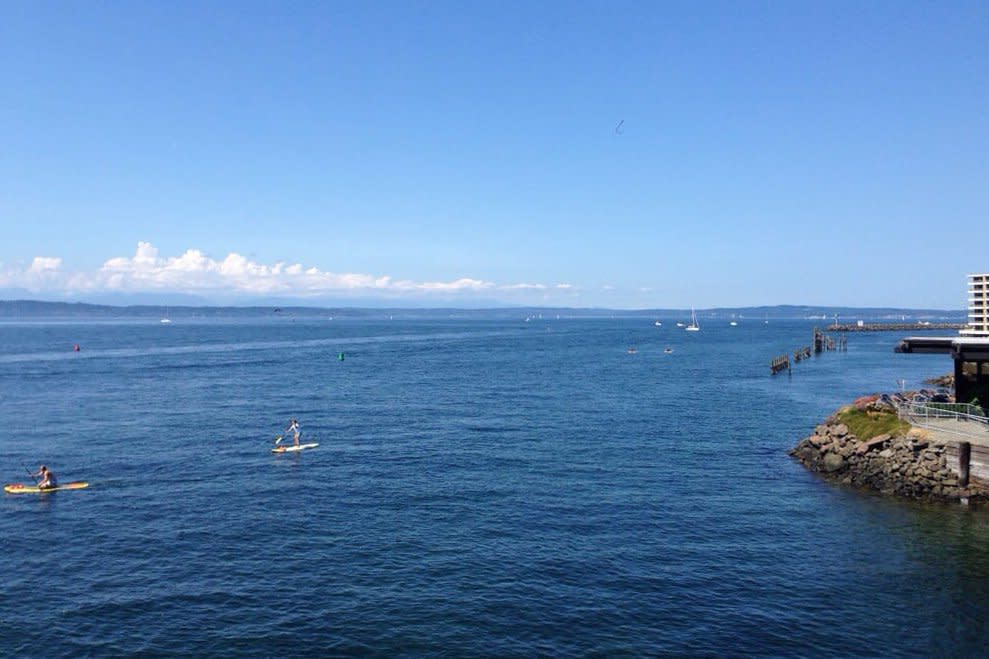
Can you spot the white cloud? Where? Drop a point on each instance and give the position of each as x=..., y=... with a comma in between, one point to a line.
x=195, y=272
x=45, y=264
x=525, y=287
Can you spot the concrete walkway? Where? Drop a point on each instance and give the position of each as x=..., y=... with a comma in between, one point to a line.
x=953, y=430
x=949, y=429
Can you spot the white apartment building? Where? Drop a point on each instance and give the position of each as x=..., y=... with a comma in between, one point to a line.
x=978, y=306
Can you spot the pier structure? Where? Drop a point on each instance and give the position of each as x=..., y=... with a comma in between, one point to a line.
x=961, y=427
x=964, y=425
x=971, y=358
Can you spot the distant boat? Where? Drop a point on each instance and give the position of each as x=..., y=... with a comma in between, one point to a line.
x=658, y=324
x=733, y=323
x=693, y=326
x=679, y=324
x=164, y=318
x=668, y=350
x=632, y=350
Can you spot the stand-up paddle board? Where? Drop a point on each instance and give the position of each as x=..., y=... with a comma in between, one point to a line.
x=21, y=488
x=292, y=448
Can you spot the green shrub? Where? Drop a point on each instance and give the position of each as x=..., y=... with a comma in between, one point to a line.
x=867, y=424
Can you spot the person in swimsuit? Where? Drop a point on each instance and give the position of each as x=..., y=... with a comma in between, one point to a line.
x=293, y=427
x=47, y=478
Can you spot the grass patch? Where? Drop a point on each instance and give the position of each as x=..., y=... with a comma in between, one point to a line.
x=866, y=425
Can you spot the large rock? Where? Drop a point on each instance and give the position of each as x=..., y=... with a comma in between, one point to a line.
x=875, y=442
x=833, y=462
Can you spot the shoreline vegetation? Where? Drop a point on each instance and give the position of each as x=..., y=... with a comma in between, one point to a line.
x=866, y=445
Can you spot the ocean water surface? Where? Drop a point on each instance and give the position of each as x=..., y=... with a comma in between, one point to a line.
x=481, y=487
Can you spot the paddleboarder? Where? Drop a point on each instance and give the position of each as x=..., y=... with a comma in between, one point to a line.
x=293, y=427
x=47, y=481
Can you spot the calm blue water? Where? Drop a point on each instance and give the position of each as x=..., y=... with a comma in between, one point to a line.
x=481, y=488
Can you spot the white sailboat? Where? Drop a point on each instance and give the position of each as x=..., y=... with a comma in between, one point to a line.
x=165, y=319
x=693, y=326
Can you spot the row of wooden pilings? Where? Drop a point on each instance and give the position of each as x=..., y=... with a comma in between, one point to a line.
x=826, y=343
x=781, y=363
x=822, y=342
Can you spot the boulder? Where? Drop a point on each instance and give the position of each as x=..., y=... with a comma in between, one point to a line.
x=807, y=455
x=833, y=462
x=875, y=442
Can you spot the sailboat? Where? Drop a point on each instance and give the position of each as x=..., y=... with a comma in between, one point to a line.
x=693, y=326
x=165, y=319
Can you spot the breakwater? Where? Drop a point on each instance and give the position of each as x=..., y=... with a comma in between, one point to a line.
x=893, y=327
x=901, y=461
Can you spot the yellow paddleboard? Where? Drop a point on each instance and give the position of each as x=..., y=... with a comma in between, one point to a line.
x=21, y=488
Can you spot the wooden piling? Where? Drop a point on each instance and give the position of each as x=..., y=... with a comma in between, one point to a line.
x=781, y=363
x=964, y=458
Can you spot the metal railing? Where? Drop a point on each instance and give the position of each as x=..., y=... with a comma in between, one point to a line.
x=962, y=419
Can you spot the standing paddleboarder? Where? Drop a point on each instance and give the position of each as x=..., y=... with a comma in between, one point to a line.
x=293, y=427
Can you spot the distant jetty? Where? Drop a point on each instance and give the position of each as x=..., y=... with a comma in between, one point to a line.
x=893, y=327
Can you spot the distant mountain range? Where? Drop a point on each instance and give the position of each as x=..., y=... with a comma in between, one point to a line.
x=38, y=309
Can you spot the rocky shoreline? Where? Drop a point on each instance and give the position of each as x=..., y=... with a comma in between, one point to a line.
x=905, y=462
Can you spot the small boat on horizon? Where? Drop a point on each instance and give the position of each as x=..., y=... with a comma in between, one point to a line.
x=164, y=318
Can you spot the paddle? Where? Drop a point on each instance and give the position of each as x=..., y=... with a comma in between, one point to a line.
x=30, y=474
x=279, y=439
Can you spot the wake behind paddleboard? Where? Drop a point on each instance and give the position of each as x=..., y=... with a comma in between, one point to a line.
x=293, y=448
x=21, y=488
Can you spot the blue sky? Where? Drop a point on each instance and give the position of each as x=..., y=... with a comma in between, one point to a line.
x=467, y=153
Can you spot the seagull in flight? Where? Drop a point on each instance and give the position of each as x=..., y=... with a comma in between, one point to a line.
x=620, y=127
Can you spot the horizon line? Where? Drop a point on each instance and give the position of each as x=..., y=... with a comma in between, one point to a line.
x=263, y=305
